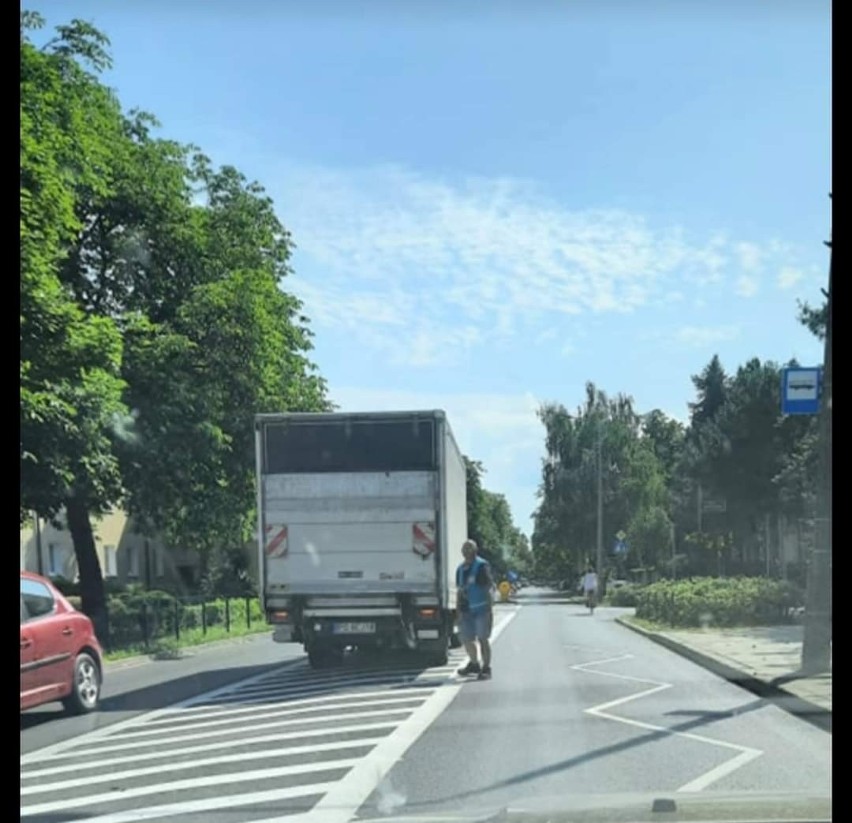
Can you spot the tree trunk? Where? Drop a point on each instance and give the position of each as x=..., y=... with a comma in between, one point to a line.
x=92, y=591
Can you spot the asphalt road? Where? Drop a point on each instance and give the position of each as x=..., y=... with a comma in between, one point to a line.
x=578, y=706
x=141, y=685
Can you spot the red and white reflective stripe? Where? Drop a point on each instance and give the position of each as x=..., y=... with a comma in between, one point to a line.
x=276, y=541
x=424, y=538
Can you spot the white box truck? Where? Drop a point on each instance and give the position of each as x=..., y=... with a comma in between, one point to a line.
x=361, y=522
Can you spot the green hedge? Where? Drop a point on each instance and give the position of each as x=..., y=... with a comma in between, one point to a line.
x=624, y=596
x=137, y=616
x=713, y=601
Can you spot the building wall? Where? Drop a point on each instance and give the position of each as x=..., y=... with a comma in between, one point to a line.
x=124, y=555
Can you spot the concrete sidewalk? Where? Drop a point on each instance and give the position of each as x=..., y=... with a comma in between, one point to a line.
x=766, y=660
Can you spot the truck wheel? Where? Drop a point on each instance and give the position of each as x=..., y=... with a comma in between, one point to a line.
x=439, y=658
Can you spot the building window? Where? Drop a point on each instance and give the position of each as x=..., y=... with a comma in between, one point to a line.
x=55, y=560
x=133, y=561
x=110, y=561
x=159, y=563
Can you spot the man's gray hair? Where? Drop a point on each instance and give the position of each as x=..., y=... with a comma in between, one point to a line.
x=470, y=544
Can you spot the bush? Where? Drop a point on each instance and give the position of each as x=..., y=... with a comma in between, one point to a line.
x=712, y=601
x=625, y=596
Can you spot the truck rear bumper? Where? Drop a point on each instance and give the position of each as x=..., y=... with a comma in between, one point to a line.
x=374, y=631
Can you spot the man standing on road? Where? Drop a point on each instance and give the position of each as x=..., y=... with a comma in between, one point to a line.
x=475, y=610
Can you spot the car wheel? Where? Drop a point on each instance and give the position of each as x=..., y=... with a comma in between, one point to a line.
x=86, y=687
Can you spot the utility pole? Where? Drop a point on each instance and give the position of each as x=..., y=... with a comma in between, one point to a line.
x=816, y=649
x=600, y=552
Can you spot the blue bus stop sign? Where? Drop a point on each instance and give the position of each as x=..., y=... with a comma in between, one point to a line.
x=800, y=390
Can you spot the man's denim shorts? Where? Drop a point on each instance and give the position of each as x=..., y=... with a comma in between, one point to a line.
x=475, y=625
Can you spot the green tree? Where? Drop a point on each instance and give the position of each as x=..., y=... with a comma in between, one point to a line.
x=490, y=522
x=603, y=440
x=232, y=351
x=70, y=360
x=667, y=438
x=711, y=387
x=151, y=283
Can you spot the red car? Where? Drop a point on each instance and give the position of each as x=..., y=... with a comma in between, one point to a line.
x=61, y=658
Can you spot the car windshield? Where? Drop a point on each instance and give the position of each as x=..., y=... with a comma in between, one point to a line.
x=426, y=411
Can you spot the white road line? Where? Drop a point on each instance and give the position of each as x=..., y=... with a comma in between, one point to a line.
x=207, y=747
x=329, y=714
x=357, y=699
x=745, y=753
x=106, y=731
x=301, y=689
x=86, y=751
x=342, y=802
x=109, y=776
x=331, y=678
x=230, y=801
x=184, y=785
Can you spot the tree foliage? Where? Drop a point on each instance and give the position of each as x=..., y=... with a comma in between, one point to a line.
x=737, y=449
x=490, y=524
x=154, y=324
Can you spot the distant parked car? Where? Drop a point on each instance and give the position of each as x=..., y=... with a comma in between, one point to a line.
x=61, y=658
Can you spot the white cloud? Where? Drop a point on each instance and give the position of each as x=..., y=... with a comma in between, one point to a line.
x=568, y=349
x=546, y=335
x=500, y=430
x=788, y=277
x=705, y=335
x=747, y=286
x=458, y=264
x=750, y=256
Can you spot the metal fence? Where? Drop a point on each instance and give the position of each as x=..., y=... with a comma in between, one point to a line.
x=145, y=621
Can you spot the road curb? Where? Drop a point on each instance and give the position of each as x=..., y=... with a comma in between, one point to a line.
x=792, y=703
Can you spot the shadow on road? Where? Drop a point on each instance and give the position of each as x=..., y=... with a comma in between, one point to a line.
x=704, y=719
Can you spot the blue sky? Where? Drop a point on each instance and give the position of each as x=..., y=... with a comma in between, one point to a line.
x=493, y=203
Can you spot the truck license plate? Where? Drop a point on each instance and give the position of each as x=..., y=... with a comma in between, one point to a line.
x=354, y=628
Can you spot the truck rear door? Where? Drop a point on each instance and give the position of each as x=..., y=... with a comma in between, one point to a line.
x=350, y=506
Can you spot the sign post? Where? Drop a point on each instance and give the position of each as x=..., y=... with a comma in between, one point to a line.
x=800, y=390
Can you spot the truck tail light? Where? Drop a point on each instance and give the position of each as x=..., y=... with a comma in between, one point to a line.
x=428, y=614
x=280, y=616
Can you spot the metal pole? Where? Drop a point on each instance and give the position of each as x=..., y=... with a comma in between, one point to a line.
x=700, y=508
x=600, y=508
x=766, y=541
x=39, y=558
x=816, y=648
x=674, y=556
